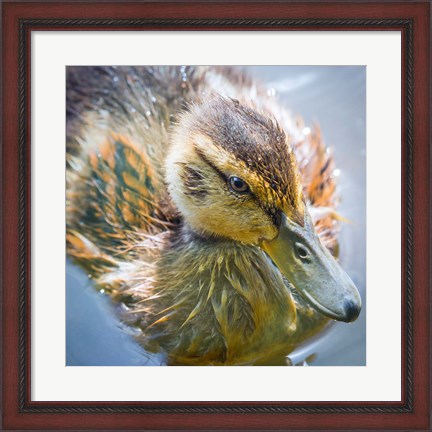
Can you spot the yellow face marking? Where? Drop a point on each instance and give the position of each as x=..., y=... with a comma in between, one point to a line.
x=265, y=194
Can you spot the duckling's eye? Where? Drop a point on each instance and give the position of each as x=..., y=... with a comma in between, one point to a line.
x=238, y=185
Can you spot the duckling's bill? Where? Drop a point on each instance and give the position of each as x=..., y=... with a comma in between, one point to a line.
x=309, y=266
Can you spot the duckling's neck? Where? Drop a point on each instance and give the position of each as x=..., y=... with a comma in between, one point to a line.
x=222, y=302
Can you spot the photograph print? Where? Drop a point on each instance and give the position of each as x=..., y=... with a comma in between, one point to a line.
x=215, y=215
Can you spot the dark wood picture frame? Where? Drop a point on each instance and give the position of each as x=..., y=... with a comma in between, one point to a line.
x=19, y=19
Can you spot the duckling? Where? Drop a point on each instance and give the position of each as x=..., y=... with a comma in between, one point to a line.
x=194, y=200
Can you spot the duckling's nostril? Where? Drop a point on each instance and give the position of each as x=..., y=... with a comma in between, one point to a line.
x=352, y=310
x=302, y=252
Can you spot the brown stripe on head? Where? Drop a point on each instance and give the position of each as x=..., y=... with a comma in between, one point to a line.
x=242, y=141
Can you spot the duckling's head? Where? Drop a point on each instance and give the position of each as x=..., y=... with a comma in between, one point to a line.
x=232, y=173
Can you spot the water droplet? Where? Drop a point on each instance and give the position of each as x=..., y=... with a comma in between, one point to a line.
x=115, y=79
x=337, y=172
x=306, y=130
x=148, y=113
x=101, y=290
x=89, y=276
x=133, y=110
x=153, y=99
x=183, y=73
x=271, y=91
x=99, y=155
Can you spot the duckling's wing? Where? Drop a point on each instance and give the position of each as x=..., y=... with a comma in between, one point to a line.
x=117, y=133
x=112, y=198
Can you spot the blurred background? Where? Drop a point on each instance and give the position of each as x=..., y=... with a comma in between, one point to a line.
x=333, y=97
